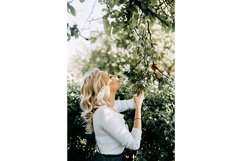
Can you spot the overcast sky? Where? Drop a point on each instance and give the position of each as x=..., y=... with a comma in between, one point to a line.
x=84, y=13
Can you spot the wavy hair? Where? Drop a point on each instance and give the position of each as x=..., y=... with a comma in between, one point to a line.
x=91, y=101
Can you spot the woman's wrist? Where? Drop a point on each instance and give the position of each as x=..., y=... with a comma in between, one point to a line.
x=137, y=113
x=137, y=118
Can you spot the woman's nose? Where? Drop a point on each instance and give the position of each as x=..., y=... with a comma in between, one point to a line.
x=115, y=77
x=118, y=76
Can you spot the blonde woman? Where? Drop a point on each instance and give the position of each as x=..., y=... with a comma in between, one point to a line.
x=101, y=114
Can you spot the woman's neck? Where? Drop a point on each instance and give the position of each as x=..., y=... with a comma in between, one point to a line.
x=112, y=98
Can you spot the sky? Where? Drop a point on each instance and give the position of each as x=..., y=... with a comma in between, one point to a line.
x=84, y=14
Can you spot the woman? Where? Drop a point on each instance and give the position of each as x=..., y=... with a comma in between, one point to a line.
x=101, y=114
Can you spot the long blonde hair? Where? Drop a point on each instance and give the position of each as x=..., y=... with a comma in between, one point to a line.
x=90, y=102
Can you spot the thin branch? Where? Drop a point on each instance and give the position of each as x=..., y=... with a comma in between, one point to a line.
x=89, y=15
x=160, y=2
x=84, y=37
x=136, y=32
x=84, y=28
x=95, y=19
x=80, y=10
x=138, y=3
x=148, y=28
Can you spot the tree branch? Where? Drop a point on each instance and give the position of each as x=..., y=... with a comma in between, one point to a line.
x=84, y=37
x=144, y=10
x=148, y=28
x=89, y=15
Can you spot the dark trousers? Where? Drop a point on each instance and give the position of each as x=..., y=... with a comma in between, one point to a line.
x=102, y=157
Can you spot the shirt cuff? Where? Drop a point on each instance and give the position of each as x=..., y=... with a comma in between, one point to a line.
x=136, y=132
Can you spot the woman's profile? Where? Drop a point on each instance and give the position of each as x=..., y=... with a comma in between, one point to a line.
x=101, y=115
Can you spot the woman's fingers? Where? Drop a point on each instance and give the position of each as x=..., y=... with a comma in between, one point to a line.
x=141, y=95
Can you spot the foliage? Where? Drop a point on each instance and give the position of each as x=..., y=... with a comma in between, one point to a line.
x=135, y=29
x=138, y=46
x=78, y=147
x=157, y=123
x=71, y=9
x=127, y=14
x=72, y=31
x=134, y=58
x=132, y=22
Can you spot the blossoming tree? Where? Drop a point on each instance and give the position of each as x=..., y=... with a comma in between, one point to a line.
x=138, y=46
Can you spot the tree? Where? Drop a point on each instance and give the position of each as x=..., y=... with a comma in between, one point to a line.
x=138, y=45
x=125, y=14
x=131, y=22
x=114, y=55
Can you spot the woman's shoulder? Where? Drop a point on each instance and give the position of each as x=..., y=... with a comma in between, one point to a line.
x=103, y=110
x=105, y=114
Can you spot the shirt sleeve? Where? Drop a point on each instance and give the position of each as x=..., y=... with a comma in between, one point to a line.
x=124, y=105
x=116, y=129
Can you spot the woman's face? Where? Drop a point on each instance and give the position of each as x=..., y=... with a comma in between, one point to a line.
x=112, y=80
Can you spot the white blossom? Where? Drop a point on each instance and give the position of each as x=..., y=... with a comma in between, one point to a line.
x=142, y=67
x=142, y=82
x=110, y=20
x=166, y=86
x=156, y=82
x=126, y=68
x=118, y=8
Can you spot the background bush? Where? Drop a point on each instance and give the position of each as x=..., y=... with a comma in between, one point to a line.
x=138, y=46
x=157, y=124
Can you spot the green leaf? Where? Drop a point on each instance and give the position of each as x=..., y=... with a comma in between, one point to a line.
x=106, y=26
x=115, y=30
x=71, y=9
x=110, y=3
x=144, y=159
x=136, y=16
x=147, y=122
x=120, y=2
x=144, y=6
x=154, y=2
x=68, y=36
x=113, y=24
x=153, y=122
x=133, y=22
x=133, y=9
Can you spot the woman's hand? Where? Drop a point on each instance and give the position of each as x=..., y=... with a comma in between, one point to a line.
x=138, y=100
